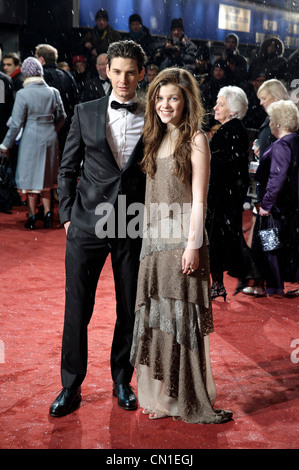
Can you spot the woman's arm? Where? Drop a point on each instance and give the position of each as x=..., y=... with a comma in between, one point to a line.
x=18, y=120
x=280, y=162
x=200, y=163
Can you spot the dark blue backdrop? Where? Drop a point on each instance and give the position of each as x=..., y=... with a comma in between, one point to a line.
x=200, y=18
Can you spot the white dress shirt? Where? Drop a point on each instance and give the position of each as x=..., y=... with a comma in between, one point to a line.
x=123, y=130
x=106, y=85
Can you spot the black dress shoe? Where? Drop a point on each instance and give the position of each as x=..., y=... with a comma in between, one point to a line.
x=30, y=223
x=67, y=401
x=126, y=397
x=48, y=220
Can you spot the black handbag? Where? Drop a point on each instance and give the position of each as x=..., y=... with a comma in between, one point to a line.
x=58, y=113
x=269, y=237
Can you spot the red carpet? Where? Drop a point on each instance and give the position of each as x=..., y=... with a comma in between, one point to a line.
x=254, y=361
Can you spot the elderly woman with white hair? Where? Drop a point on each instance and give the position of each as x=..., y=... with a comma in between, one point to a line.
x=277, y=192
x=229, y=181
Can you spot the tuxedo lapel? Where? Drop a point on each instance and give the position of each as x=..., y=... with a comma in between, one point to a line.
x=101, y=122
x=101, y=129
x=137, y=152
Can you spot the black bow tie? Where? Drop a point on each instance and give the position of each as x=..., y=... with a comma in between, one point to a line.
x=129, y=107
x=104, y=81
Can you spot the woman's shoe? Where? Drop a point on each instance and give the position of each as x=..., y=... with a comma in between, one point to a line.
x=48, y=220
x=259, y=291
x=252, y=290
x=218, y=292
x=146, y=411
x=248, y=290
x=240, y=287
x=30, y=223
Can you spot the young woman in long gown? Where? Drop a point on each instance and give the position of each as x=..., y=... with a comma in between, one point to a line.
x=173, y=307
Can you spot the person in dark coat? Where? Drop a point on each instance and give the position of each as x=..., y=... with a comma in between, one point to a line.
x=270, y=58
x=12, y=67
x=6, y=101
x=256, y=114
x=63, y=81
x=80, y=71
x=277, y=189
x=7, y=189
x=99, y=86
x=140, y=34
x=235, y=61
x=293, y=67
x=229, y=180
x=177, y=50
x=210, y=88
x=97, y=40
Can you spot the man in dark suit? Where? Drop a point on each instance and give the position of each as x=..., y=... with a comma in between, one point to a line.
x=99, y=86
x=6, y=100
x=105, y=147
x=12, y=67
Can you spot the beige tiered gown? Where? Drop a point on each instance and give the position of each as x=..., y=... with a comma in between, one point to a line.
x=173, y=311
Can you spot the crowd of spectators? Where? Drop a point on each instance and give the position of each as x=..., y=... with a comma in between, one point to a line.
x=84, y=80
x=84, y=77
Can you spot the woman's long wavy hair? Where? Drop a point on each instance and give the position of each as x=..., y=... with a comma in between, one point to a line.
x=154, y=128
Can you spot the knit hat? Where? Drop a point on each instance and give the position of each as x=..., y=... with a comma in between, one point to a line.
x=135, y=17
x=78, y=58
x=177, y=23
x=220, y=63
x=31, y=67
x=102, y=14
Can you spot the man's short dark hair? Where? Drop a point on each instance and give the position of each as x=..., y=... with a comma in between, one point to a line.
x=127, y=50
x=14, y=56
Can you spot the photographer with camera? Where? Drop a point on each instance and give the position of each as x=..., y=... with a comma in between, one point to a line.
x=177, y=50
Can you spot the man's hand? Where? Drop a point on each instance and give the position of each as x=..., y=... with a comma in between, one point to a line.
x=66, y=226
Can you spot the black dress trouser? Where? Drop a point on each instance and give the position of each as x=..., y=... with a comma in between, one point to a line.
x=85, y=257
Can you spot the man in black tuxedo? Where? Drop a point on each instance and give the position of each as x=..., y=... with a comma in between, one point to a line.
x=99, y=86
x=104, y=147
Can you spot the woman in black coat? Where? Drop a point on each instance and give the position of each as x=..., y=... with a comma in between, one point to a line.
x=229, y=181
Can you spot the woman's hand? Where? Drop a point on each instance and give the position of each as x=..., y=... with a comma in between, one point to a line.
x=262, y=212
x=190, y=260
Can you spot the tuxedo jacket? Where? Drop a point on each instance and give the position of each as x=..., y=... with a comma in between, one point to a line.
x=89, y=175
